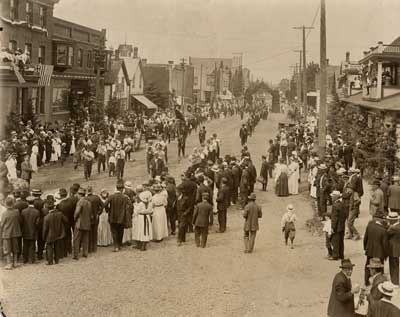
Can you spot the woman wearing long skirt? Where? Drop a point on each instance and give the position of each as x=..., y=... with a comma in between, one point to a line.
x=34, y=155
x=144, y=229
x=293, y=176
x=104, y=237
x=159, y=222
x=281, y=179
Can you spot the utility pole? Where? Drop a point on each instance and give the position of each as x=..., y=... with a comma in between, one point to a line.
x=183, y=85
x=201, y=80
x=304, y=28
x=322, y=86
x=299, y=79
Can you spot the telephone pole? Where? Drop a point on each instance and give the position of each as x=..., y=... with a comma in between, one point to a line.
x=323, y=88
x=183, y=85
x=298, y=78
x=304, y=28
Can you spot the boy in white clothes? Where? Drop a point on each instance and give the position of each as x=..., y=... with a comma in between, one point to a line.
x=327, y=228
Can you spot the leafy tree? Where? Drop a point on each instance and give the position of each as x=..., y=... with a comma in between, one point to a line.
x=153, y=92
x=237, y=83
x=113, y=108
x=311, y=70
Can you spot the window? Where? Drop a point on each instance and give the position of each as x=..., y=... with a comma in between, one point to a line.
x=42, y=16
x=60, y=99
x=42, y=98
x=29, y=13
x=42, y=55
x=70, y=56
x=79, y=57
x=12, y=45
x=14, y=9
x=133, y=81
x=28, y=48
x=89, y=63
x=62, y=55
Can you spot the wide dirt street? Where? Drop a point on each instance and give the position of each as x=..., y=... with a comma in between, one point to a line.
x=168, y=280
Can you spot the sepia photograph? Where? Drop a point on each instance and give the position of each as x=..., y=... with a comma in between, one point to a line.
x=199, y=158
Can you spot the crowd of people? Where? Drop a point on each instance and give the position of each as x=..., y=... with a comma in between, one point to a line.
x=336, y=186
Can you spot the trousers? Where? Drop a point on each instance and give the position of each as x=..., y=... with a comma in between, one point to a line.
x=338, y=245
x=182, y=227
x=10, y=250
x=350, y=223
x=117, y=232
x=222, y=220
x=53, y=251
x=93, y=237
x=249, y=240
x=200, y=236
x=28, y=250
x=81, y=238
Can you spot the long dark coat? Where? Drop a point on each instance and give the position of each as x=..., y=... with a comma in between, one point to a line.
x=341, y=301
x=375, y=240
x=251, y=214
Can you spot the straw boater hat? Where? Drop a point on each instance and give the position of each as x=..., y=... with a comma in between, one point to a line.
x=336, y=193
x=393, y=216
x=252, y=196
x=346, y=264
x=386, y=288
x=322, y=166
x=290, y=207
x=128, y=184
x=375, y=263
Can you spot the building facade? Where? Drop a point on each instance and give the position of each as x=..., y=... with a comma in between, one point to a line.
x=28, y=26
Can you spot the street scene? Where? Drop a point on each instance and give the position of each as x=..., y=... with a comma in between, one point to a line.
x=217, y=158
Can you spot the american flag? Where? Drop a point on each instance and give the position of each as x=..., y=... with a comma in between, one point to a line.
x=45, y=72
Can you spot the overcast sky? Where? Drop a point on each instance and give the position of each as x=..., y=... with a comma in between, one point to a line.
x=260, y=29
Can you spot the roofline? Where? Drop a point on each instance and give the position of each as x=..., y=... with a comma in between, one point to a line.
x=55, y=19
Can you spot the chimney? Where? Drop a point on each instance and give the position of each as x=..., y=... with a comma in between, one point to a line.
x=171, y=62
x=116, y=55
x=144, y=61
x=348, y=57
x=135, y=52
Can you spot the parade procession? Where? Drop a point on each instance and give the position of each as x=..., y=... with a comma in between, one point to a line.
x=160, y=158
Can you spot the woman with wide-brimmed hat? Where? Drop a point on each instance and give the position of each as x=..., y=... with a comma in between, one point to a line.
x=143, y=211
x=159, y=220
x=104, y=236
x=281, y=179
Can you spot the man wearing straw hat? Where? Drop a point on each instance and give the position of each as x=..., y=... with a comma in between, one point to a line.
x=394, y=195
x=341, y=301
x=393, y=233
x=384, y=307
x=338, y=219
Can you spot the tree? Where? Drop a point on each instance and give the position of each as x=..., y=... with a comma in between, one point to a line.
x=113, y=108
x=153, y=92
x=237, y=83
x=311, y=71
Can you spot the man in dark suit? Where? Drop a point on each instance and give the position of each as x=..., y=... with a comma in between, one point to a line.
x=375, y=242
x=156, y=166
x=236, y=174
x=39, y=205
x=338, y=219
x=244, y=186
x=393, y=233
x=82, y=217
x=384, y=307
x=251, y=213
x=341, y=301
x=30, y=218
x=182, y=210
x=264, y=172
x=189, y=189
x=243, y=134
x=377, y=277
x=67, y=206
x=171, y=203
x=223, y=202
x=117, y=205
x=394, y=195
x=201, y=217
x=348, y=156
x=97, y=208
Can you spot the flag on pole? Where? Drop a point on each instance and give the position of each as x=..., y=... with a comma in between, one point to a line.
x=45, y=72
x=21, y=79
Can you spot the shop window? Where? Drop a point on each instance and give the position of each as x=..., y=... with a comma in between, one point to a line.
x=70, y=56
x=42, y=55
x=60, y=99
x=79, y=57
x=14, y=9
x=42, y=16
x=29, y=12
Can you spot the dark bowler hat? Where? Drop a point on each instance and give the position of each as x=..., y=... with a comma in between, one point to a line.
x=63, y=192
x=50, y=201
x=346, y=264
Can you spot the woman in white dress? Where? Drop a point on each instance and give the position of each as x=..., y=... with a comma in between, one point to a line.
x=72, y=150
x=293, y=182
x=159, y=222
x=54, y=156
x=34, y=155
x=11, y=164
x=143, y=211
x=104, y=237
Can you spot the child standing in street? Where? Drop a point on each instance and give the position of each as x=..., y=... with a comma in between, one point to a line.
x=288, y=225
x=327, y=228
x=111, y=165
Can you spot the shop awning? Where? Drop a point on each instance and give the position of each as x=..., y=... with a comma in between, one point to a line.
x=145, y=102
